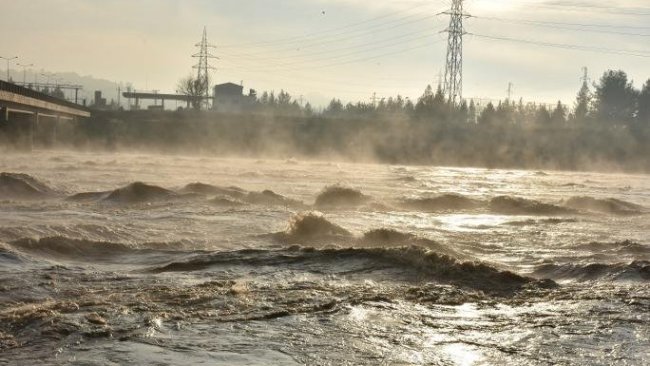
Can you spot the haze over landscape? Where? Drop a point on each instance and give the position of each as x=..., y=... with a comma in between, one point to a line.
x=325, y=49
x=449, y=183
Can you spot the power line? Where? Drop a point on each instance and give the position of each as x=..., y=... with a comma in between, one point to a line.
x=592, y=25
x=356, y=51
x=346, y=62
x=337, y=29
x=330, y=81
x=635, y=53
x=592, y=7
x=563, y=26
x=344, y=37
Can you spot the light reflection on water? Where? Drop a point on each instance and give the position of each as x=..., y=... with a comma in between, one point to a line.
x=462, y=354
x=468, y=223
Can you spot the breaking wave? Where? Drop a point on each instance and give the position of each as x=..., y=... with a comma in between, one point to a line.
x=139, y=193
x=23, y=186
x=508, y=205
x=340, y=197
x=207, y=189
x=635, y=271
x=9, y=257
x=87, y=250
x=412, y=264
x=312, y=227
x=270, y=198
x=622, y=247
x=607, y=205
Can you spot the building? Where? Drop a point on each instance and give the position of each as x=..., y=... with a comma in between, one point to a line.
x=229, y=97
x=100, y=102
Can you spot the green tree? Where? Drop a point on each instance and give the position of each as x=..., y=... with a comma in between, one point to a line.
x=615, y=98
x=471, y=113
x=542, y=116
x=335, y=108
x=558, y=117
x=284, y=98
x=308, y=110
x=488, y=116
x=583, y=101
x=425, y=103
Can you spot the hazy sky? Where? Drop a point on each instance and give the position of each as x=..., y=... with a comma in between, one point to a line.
x=326, y=48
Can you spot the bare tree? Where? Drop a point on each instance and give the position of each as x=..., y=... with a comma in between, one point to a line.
x=194, y=88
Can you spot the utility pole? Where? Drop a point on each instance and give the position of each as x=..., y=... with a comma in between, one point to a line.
x=8, y=59
x=25, y=72
x=119, y=92
x=585, y=77
x=510, y=85
x=203, y=67
x=453, y=87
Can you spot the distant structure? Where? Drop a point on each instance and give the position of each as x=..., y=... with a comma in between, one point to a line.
x=228, y=97
x=100, y=102
x=203, y=67
x=585, y=75
x=157, y=97
x=26, y=114
x=453, y=86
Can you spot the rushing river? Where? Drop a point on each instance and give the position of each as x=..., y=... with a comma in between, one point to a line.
x=175, y=260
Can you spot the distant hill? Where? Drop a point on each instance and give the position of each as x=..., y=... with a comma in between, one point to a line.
x=90, y=84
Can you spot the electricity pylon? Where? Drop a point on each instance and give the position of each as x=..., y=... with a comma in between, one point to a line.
x=203, y=67
x=453, y=86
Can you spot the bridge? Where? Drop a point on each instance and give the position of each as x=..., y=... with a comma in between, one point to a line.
x=25, y=112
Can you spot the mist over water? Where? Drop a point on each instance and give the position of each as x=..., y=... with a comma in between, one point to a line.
x=152, y=259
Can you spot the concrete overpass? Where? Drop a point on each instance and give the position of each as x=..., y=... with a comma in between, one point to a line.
x=24, y=111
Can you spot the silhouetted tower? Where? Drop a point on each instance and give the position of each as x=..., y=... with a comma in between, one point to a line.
x=585, y=77
x=453, y=87
x=203, y=67
x=510, y=85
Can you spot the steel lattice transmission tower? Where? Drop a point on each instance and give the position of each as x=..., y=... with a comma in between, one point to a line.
x=203, y=67
x=453, y=87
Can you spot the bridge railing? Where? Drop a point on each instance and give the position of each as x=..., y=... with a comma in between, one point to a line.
x=20, y=90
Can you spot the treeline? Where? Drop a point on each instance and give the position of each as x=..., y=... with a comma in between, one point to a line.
x=608, y=127
x=613, y=102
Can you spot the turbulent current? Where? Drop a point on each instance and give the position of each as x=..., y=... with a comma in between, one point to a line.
x=176, y=260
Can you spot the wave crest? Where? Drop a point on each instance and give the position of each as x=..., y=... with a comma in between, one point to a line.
x=59, y=247
x=635, y=271
x=409, y=263
x=340, y=197
x=312, y=227
x=139, y=192
x=208, y=189
x=270, y=198
x=508, y=205
x=445, y=202
x=607, y=205
x=23, y=186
